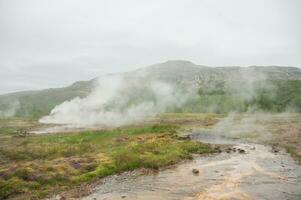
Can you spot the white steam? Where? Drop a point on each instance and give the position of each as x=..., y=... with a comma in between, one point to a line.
x=116, y=101
x=248, y=126
x=10, y=109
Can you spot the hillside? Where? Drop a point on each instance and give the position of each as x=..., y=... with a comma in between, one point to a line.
x=41, y=102
x=212, y=82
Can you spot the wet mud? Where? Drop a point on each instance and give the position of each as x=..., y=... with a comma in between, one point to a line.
x=247, y=171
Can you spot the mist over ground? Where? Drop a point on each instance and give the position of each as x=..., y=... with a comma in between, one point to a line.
x=117, y=100
x=179, y=86
x=173, y=86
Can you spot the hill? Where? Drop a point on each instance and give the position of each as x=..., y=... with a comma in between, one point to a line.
x=38, y=103
x=272, y=88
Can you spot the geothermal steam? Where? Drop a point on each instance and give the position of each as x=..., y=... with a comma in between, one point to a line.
x=11, y=109
x=116, y=101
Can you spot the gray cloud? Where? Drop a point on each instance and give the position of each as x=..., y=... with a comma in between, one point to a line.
x=51, y=43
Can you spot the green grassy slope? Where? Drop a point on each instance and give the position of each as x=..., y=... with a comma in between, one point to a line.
x=279, y=96
x=34, y=104
x=283, y=94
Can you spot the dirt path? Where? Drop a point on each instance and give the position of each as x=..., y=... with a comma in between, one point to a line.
x=258, y=173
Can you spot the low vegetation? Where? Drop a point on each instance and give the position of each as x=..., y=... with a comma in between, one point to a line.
x=34, y=166
x=267, y=96
x=286, y=133
x=215, y=97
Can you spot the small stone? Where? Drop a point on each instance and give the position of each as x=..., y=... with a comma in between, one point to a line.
x=195, y=171
x=185, y=137
x=241, y=151
x=275, y=149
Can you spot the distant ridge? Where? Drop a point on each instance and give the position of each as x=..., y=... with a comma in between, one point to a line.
x=183, y=72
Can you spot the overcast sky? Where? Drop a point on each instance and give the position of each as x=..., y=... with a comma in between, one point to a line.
x=51, y=43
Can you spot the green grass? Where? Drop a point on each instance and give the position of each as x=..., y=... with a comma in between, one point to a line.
x=218, y=97
x=35, y=166
x=268, y=96
x=294, y=153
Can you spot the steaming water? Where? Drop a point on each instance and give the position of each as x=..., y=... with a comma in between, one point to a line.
x=258, y=174
x=63, y=129
x=206, y=136
x=116, y=101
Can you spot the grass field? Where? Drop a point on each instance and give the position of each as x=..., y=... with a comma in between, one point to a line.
x=37, y=165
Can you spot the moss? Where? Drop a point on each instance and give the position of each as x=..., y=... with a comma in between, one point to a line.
x=35, y=166
x=16, y=185
x=293, y=152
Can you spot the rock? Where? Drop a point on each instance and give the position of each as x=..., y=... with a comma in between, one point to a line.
x=195, y=171
x=22, y=133
x=229, y=150
x=185, y=137
x=241, y=151
x=275, y=149
x=218, y=149
x=123, y=196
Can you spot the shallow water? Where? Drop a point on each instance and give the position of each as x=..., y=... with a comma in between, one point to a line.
x=257, y=174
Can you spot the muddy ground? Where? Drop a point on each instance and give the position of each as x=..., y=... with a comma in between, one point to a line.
x=261, y=164
x=267, y=168
x=256, y=174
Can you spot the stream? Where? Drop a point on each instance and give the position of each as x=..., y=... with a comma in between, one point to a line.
x=257, y=173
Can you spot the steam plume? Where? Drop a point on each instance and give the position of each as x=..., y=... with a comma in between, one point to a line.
x=118, y=100
x=9, y=109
